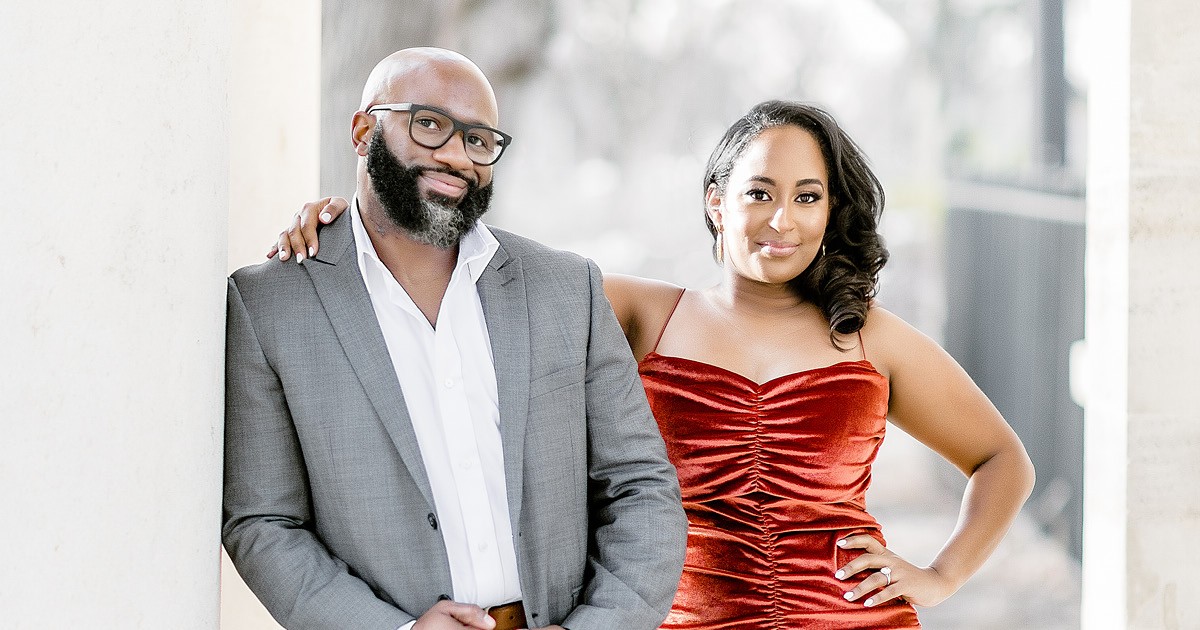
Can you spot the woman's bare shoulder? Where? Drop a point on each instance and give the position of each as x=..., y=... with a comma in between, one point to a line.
x=640, y=292
x=893, y=343
x=642, y=306
x=881, y=321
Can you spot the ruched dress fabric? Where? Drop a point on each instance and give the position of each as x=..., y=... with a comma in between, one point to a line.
x=773, y=475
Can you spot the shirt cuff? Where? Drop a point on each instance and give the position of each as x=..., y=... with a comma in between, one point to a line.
x=408, y=626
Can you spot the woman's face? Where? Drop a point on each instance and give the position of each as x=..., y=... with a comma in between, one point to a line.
x=775, y=206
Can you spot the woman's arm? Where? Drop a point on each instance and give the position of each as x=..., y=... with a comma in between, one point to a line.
x=641, y=305
x=934, y=400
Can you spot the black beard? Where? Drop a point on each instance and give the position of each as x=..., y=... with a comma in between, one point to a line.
x=437, y=221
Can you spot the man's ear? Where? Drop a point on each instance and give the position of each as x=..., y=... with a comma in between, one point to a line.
x=713, y=204
x=362, y=126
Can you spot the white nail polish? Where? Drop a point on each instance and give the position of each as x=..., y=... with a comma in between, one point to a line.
x=848, y=594
x=326, y=217
x=869, y=602
x=841, y=543
x=839, y=575
x=299, y=257
x=311, y=253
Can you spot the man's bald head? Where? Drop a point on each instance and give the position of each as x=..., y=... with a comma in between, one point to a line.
x=395, y=77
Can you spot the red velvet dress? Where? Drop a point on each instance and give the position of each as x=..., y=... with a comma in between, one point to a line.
x=773, y=475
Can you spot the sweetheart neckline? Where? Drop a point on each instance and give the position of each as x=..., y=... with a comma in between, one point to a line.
x=860, y=362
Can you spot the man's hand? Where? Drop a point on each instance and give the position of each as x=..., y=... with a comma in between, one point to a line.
x=301, y=238
x=451, y=615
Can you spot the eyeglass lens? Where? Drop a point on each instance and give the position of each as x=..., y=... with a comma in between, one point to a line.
x=432, y=129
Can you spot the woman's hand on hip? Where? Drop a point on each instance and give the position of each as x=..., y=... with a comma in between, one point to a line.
x=879, y=568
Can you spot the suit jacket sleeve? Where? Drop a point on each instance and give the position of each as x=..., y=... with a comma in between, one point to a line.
x=267, y=517
x=639, y=530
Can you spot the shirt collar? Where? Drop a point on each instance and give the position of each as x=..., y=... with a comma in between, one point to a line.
x=475, y=251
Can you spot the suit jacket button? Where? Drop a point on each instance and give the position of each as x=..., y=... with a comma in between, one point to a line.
x=432, y=520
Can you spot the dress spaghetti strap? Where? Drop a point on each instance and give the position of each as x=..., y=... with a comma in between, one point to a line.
x=861, y=346
x=668, y=320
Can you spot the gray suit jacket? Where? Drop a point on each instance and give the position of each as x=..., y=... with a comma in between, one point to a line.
x=328, y=513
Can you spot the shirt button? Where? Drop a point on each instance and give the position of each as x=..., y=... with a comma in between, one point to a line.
x=432, y=520
x=449, y=383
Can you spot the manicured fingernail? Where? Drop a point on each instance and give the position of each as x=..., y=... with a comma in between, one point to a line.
x=869, y=602
x=283, y=255
x=311, y=251
x=839, y=575
x=299, y=257
x=848, y=594
x=326, y=217
x=842, y=542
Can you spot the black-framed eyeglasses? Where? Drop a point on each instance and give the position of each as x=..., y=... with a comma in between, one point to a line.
x=431, y=128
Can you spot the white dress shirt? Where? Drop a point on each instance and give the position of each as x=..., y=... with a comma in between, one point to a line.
x=448, y=378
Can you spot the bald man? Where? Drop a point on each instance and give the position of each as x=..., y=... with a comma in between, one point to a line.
x=437, y=424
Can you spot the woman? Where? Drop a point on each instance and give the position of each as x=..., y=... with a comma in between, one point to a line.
x=772, y=391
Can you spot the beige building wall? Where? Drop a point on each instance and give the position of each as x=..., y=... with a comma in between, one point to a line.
x=1143, y=428
x=113, y=146
x=274, y=167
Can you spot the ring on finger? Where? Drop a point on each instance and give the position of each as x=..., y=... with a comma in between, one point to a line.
x=886, y=572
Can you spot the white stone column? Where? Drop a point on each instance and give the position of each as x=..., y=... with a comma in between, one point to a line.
x=275, y=120
x=274, y=104
x=114, y=170
x=1142, y=509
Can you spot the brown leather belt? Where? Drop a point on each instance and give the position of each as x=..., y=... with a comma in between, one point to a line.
x=510, y=616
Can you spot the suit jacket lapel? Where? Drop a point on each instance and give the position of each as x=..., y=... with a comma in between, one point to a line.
x=344, y=296
x=506, y=310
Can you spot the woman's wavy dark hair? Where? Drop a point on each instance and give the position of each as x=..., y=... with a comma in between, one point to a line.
x=843, y=279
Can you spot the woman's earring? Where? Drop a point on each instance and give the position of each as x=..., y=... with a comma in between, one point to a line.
x=720, y=246
x=822, y=249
